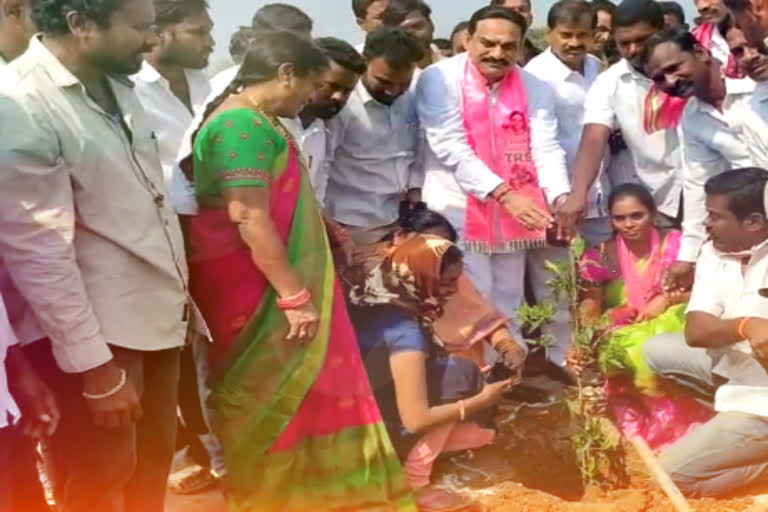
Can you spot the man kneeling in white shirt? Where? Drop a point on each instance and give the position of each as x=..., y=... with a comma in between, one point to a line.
x=494, y=164
x=724, y=351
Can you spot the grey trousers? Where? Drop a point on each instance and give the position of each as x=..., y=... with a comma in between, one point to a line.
x=728, y=452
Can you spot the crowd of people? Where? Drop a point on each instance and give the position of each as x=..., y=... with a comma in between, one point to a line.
x=307, y=269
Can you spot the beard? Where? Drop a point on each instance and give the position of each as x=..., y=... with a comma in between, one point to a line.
x=322, y=111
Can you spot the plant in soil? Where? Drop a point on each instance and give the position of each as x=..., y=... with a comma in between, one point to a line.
x=595, y=445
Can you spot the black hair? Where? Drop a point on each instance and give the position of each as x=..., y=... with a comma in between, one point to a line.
x=635, y=190
x=360, y=8
x=497, y=3
x=240, y=41
x=675, y=8
x=737, y=5
x=270, y=50
x=421, y=220
x=604, y=6
x=726, y=24
x=567, y=12
x=50, y=16
x=442, y=43
x=683, y=39
x=744, y=188
x=632, y=12
x=496, y=13
x=395, y=45
x=342, y=53
x=171, y=12
x=462, y=25
x=451, y=257
x=398, y=11
x=282, y=17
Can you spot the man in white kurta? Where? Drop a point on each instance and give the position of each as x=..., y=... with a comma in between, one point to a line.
x=571, y=70
x=453, y=170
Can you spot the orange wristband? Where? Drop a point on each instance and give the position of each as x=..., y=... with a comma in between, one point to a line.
x=743, y=325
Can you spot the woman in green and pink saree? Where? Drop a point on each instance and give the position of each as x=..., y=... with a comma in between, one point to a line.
x=623, y=287
x=294, y=411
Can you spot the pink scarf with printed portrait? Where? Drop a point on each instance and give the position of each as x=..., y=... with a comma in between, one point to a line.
x=500, y=135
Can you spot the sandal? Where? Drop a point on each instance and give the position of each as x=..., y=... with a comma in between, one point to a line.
x=191, y=480
x=431, y=499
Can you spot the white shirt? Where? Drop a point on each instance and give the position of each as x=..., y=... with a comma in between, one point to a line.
x=374, y=156
x=723, y=290
x=719, y=47
x=713, y=142
x=170, y=117
x=571, y=89
x=313, y=141
x=7, y=339
x=19, y=313
x=182, y=192
x=452, y=168
x=756, y=125
x=617, y=101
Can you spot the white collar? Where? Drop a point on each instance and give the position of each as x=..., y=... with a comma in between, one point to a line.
x=149, y=74
x=625, y=68
x=751, y=252
x=366, y=98
x=761, y=91
x=562, y=72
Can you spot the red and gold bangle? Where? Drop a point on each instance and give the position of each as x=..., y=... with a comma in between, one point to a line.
x=742, y=326
x=504, y=190
x=295, y=301
x=340, y=235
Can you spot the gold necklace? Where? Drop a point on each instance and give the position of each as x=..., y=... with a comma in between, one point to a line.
x=284, y=132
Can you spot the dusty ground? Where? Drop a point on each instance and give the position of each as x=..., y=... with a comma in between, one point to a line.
x=529, y=469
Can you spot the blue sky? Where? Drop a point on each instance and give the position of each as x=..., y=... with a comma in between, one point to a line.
x=334, y=17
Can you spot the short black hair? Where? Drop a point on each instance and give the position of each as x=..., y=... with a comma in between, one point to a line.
x=675, y=8
x=282, y=17
x=496, y=13
x=737, y=5
x=567, y=12
x=399, y=48
x=604, y=6
x=744, y=188
x=399, y=10
x=635, y=190
x=684, y=40
x=462, y=25
x=726, y=24
x=240, y=42
x=360, y=7
x=632, y=12
x=171, y=12
x=50, y=16
x=496, y=3
x=442, y=44
x=342, y=53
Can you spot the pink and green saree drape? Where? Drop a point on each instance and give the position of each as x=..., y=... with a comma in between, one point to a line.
x=298, y=424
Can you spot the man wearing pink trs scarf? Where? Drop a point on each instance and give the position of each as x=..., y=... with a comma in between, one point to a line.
x=494, y=166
